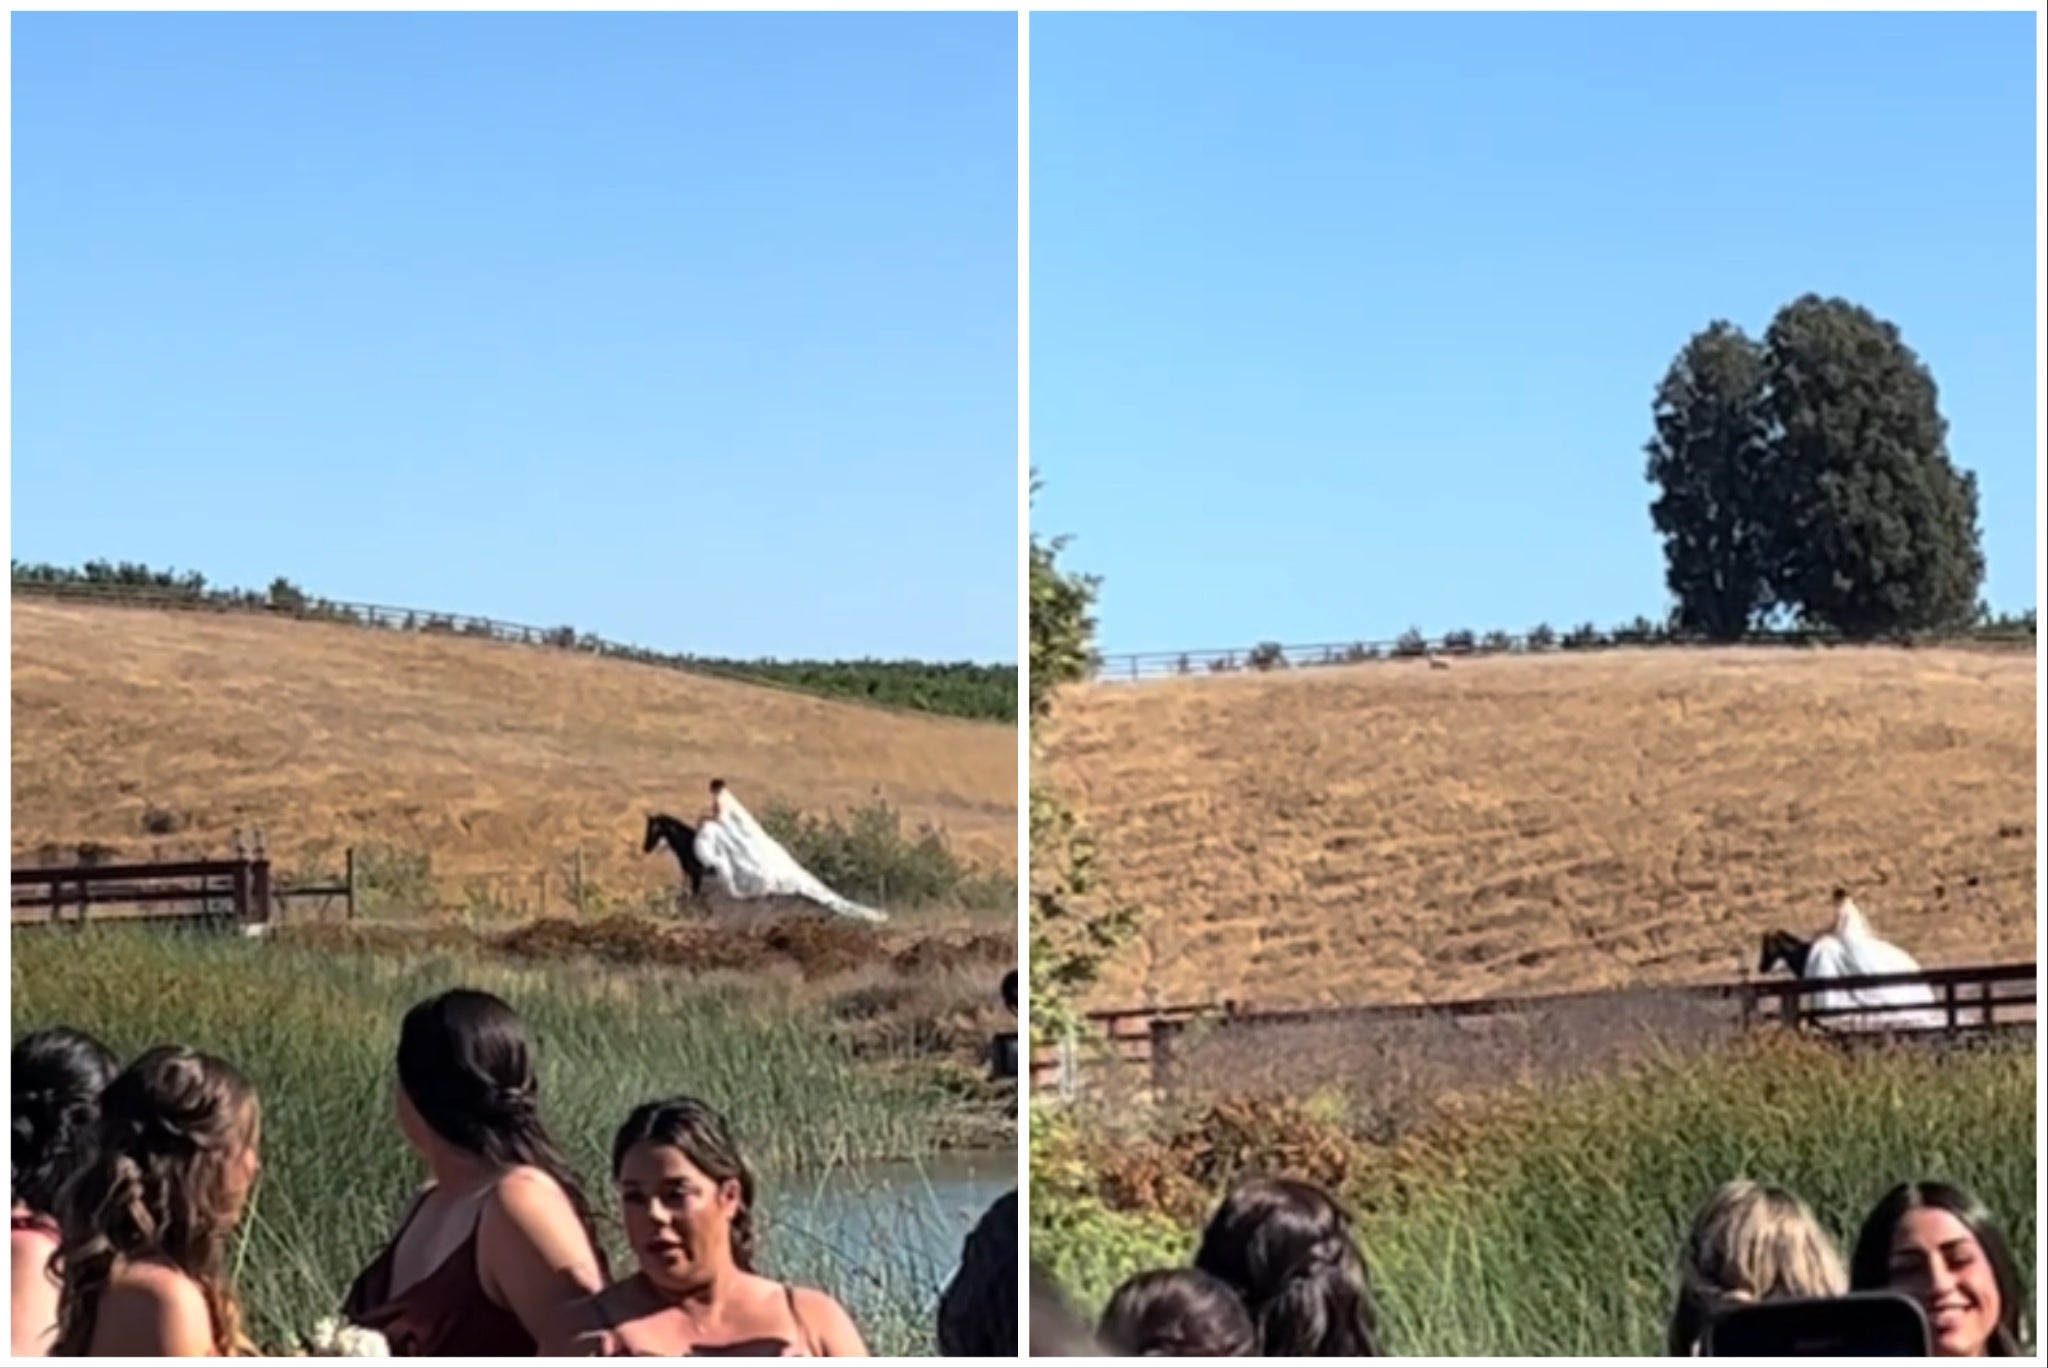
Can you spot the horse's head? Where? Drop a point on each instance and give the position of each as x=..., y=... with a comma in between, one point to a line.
x=1010, y=991
x=1782, y=947
x=653, y=834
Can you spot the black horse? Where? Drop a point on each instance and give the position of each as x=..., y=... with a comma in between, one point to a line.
x=1782, y=947
x=682, y=840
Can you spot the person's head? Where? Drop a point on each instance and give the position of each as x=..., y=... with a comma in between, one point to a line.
x=1749, y=1243
x=1287, y=1249
x=685, y=1191
x=467, y=1083
x=1937, y=1244
x=1177, y=1313
x=58, y=1075
x=717, y=787
x=978, y=1311
x=178, y=1138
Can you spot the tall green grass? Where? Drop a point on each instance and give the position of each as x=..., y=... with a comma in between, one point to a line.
x=316, y=1033
x=1549, y=1226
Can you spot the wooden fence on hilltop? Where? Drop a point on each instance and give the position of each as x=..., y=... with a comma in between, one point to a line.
x=1127, y=666
x=1148, y=1046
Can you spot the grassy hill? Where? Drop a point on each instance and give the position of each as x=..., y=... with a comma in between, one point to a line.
x=1528, y=824
x=145, y=731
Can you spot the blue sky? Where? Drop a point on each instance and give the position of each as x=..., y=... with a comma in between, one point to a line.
x=1346, y=323
x=697, y=331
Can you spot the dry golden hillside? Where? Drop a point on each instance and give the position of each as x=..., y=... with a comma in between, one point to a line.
x=1387, y=832
x=495, y=759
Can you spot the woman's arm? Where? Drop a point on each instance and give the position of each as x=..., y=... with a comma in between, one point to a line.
x=829, y=1325
x=535, y=1259
x=152, y=1312
x=35, y=1293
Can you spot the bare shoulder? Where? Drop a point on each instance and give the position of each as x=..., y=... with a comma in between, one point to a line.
x=526, y=1193
x=25, y=1243
x=153, y=1309
x=827, y=1321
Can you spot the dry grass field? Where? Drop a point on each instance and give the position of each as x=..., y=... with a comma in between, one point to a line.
x=1386, y=832
x=494, y=759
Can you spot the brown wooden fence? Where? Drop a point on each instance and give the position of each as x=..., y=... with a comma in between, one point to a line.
x=1149, y=1041
x=1125, y=666
x=236, y=889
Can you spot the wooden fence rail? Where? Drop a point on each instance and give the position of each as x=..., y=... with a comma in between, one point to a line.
x=1970, y=999
x=237, y=889
x=1116, y=667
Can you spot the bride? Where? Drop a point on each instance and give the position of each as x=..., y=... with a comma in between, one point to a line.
x=752, y=864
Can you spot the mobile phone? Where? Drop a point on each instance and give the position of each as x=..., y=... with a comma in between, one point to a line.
x=1860, y=1325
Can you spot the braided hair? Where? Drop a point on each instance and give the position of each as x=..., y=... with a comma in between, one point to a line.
x=57, y=1077
x=1287, y=1248
x=165, y=1184
x=467, y=1067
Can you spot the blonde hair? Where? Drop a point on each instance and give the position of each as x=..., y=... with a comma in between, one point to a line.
x=1749, y=1243
x=171, y=1126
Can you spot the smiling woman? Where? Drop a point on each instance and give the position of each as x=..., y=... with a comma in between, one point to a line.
x=1939, y=1245
x=686, y=1196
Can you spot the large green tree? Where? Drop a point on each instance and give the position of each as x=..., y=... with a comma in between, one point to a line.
x=1810, y=474
x=1071, y=933
x=1878, y=529
x=1708, y=459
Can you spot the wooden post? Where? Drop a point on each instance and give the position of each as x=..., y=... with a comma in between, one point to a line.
x=576, y=893
x=240, y=881
x=1948, y=998
x=1163, y=1033
x=259, y=891
x=541, y=909
x=348, y=907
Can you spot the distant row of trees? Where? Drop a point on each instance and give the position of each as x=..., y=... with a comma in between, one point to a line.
x=958, y=689
x=1413, y=644
x=1804, y=478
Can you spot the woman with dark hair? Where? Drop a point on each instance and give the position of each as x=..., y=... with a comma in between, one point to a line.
x=1938, y=1245
x=978, y=1309
x=1177, y=1313
x=498, y=1248
x=148, y=1220
x=57, y=1076
x=687, y=1198
x=1287, y=1249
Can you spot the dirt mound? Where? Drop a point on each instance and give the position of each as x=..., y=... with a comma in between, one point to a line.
x=816, y=947
x=937, y=954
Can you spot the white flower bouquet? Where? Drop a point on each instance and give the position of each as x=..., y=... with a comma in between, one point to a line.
x=333, y=1337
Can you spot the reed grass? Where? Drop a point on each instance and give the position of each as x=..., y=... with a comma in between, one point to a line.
x=1547, y=1224
x=316, y=1031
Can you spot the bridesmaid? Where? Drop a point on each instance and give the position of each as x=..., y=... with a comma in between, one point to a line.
x=687, y=1199
x=499, y=1246
x=58, y=1075
x=148, y=1221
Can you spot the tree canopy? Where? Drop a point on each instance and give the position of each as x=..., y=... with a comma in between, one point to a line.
x=1808, y=474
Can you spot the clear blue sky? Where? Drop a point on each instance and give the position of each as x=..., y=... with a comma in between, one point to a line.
x=697, y=331
x=1346, y=323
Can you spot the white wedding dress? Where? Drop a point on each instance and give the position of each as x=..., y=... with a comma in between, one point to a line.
x=753, y=864
x=1853, y=950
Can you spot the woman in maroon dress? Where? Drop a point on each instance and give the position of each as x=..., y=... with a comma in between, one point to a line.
x=498, y=1248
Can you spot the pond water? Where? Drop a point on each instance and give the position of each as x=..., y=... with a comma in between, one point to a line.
x=912, y=1216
